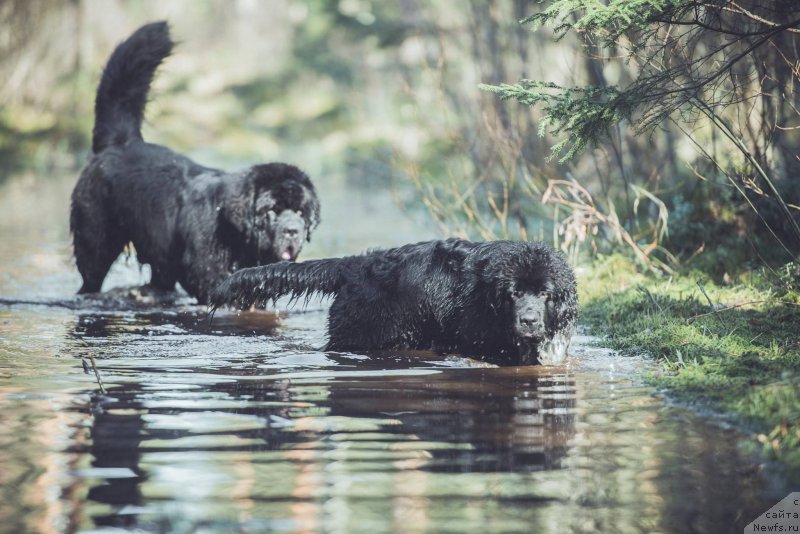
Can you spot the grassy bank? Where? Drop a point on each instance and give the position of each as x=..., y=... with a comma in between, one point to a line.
x=734, y=349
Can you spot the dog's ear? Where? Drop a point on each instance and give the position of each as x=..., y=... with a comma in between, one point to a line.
x=265, y=201
x=238, y=209
x=310, y=213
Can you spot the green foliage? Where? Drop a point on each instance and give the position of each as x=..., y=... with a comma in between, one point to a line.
x=584, y=114
x=707, y=68
x=707, y=233
x=608, y=22
x=661, y=87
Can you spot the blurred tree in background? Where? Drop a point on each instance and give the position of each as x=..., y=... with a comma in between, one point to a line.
x=30, y=64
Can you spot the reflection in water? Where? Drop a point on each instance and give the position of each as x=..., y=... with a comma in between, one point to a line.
x=243, y=425
x=258, y=431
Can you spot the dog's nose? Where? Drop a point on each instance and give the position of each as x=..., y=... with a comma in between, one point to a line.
x=290, y=232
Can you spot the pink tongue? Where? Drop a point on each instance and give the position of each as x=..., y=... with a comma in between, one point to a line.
x=286, y=255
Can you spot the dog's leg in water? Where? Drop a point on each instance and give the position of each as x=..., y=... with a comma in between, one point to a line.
x=162, y=280
x=94, y=259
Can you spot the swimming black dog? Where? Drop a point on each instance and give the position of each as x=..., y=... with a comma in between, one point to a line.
x=192, y=224
x=503, y=301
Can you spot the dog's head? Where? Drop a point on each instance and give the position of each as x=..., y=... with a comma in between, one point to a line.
x=537, y=290
x=533, y=313
x=274, y=210
x=289, y=232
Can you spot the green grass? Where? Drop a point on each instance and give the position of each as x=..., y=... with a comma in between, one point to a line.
x=734, y=349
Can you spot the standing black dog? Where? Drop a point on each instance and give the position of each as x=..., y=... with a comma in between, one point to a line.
x=504, y=301
x=192, y=224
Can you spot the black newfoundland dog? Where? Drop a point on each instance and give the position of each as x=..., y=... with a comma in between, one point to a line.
x=192, y=224
x=503, y=301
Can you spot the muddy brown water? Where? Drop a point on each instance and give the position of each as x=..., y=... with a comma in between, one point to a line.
x=244, y=425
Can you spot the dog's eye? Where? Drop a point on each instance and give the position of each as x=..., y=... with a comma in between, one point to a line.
x=516, y=294
x=545, y=295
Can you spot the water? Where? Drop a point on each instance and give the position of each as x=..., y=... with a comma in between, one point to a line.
x=244, y=426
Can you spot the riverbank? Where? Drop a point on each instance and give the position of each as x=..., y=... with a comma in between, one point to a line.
x=731, y=349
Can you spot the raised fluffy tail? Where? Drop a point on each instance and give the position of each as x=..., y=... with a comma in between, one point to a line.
x=259, y=285
x=122, y=93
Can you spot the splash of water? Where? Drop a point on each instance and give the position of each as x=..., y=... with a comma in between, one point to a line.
x=554, y=350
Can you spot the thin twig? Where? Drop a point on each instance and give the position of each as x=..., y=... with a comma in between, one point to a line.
x=96, y=373
x=736, y=186
x=710, y=302
x=693, y=318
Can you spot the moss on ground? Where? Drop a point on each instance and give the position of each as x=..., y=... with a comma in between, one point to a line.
x=734, y=349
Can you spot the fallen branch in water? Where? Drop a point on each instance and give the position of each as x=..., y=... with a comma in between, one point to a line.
x=96, y=372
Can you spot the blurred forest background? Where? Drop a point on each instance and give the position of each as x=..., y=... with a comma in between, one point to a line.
x=388, y=95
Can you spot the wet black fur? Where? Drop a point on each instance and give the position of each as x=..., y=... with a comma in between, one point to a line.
x=192, y=224
x=451, y=296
